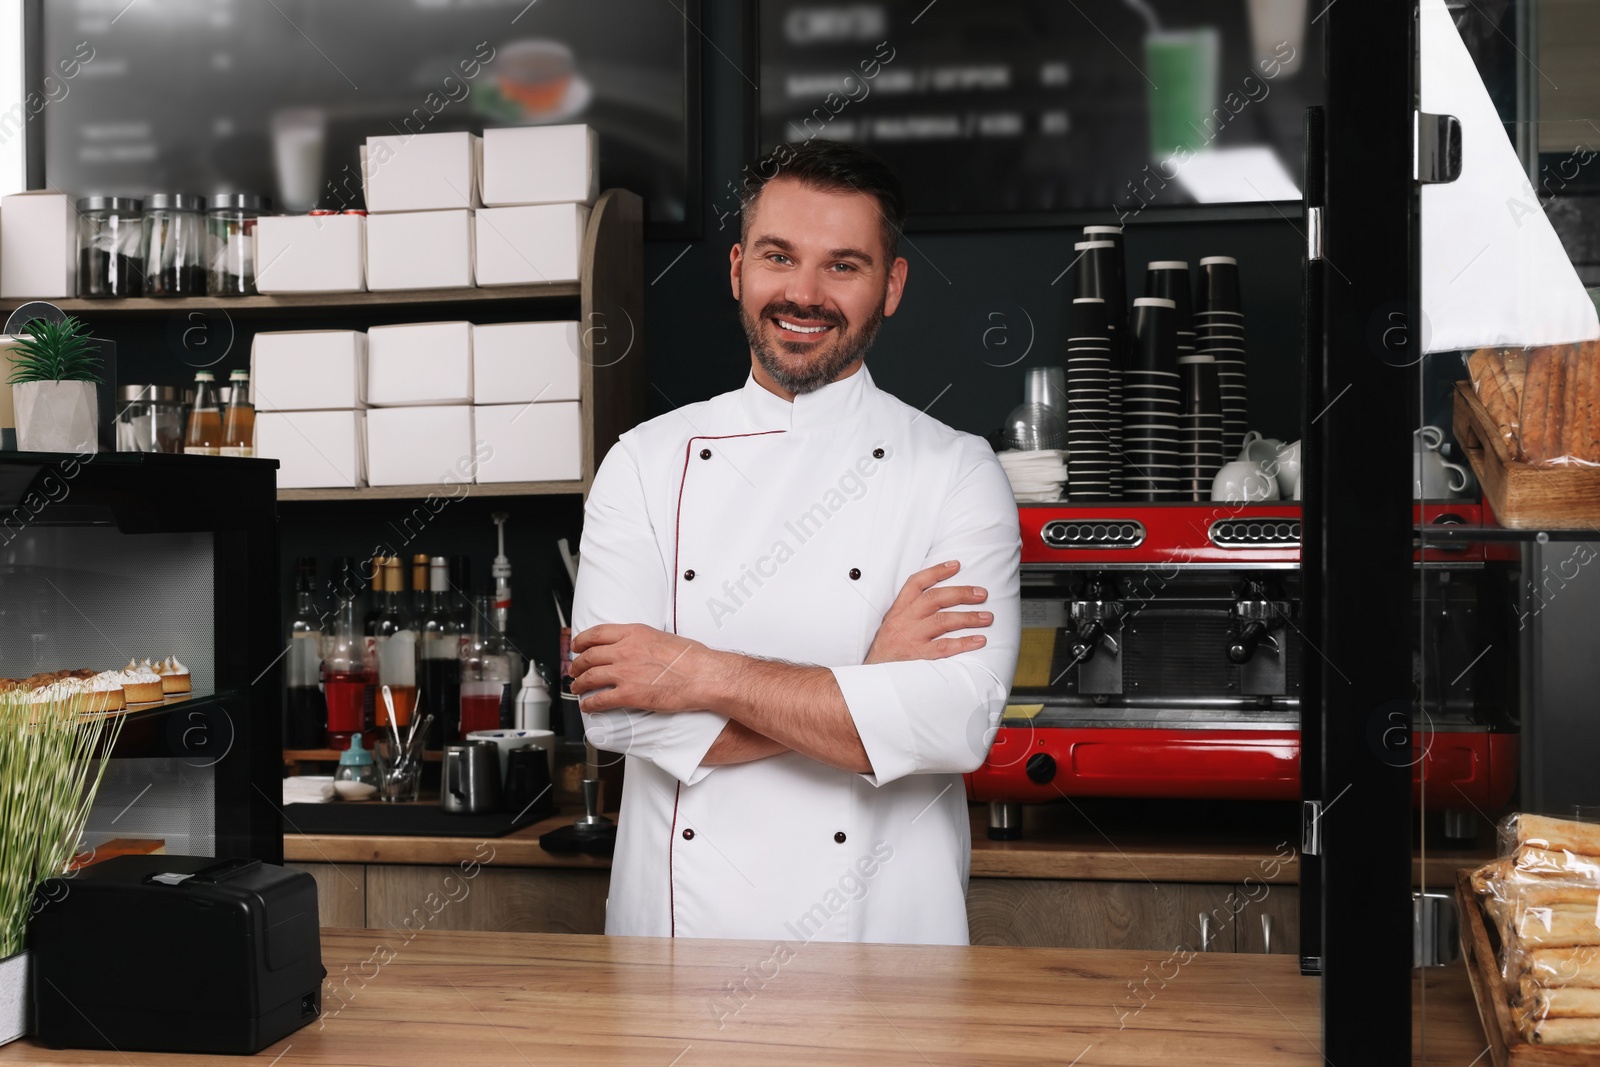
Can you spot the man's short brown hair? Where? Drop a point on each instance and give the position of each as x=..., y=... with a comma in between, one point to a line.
x=832, y=166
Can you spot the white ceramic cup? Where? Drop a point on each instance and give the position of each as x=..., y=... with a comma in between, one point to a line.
x=1431, y=437
x=1435, y=478
x=1243, y=482
x=1260, y=449
x=1288, y=471
x=510, y=739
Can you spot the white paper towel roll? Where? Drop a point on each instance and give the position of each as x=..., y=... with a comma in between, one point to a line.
x=1493, y=270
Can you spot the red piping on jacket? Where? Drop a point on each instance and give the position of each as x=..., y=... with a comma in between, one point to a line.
x=672, y=839
x=677, y=532
x=677, y=518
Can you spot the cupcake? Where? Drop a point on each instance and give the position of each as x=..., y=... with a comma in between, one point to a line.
x=103, y=692
x=140, y=685
x=174, y=676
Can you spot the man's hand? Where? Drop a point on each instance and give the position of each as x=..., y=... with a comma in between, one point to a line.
x=643, y=667
x=915, y=625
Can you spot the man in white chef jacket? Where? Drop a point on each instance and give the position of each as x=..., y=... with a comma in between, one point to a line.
x=797, y=607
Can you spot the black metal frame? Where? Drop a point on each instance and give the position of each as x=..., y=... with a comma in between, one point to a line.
x=239, y=731
x=1360, y=542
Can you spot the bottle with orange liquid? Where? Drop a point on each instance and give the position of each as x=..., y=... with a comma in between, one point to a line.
x=204, y=437
x=395, y=641
x=239, y=420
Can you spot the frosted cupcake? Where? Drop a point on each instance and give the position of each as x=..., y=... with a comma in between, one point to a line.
x=140, y=684
x=174, y=676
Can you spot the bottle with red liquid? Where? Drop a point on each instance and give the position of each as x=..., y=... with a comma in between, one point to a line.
x=349, y=678
x=485, y=670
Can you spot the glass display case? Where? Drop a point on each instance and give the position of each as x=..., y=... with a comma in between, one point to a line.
x=114, y=557
x=1451, y=225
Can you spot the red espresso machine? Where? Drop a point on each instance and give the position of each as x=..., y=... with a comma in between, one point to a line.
x=1162, y=656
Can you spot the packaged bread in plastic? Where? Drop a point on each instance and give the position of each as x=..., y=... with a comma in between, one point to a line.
x=1543, y=897
x=1544, y=401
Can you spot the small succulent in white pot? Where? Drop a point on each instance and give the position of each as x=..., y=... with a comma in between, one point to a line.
x=53, y=378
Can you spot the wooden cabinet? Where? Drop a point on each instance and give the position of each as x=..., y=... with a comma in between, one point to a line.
x=1270, y=921
x=385, y=896
x=1029, y=912
x=1195, y=917
x=341, y=892
x=524, y=900
x=1129, y=915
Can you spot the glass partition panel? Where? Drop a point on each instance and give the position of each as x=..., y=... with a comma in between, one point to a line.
x=1503, y=446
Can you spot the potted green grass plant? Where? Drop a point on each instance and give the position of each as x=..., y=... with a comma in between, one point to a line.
x=53, y=378
x=48, y=781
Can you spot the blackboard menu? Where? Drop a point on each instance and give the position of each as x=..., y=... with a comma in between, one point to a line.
x=995, y=108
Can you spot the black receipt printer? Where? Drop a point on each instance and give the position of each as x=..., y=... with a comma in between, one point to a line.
x=175, y=954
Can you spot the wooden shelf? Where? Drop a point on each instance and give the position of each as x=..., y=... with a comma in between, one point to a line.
x=331, y=755
x=322, y=301
x=422, y=492
x=611, y=381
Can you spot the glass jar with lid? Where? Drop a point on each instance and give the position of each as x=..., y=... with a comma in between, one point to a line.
x=230, y=243
x=173, y=237
x=109, y=263
x=150, y=418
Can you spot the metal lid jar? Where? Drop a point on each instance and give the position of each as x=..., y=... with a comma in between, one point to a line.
x=173, y=240
x=230, y=243
x=150, y=418
x=109, y=261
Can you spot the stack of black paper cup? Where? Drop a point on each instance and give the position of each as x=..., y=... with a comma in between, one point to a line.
x=1152, y=404
x=1092, y=427
x=1219, y=333
x=1169, y=279
x=1100, y=275
x=1114, y=235
x=1200, y=426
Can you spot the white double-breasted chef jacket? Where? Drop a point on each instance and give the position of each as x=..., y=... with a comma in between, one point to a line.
x=785, y=530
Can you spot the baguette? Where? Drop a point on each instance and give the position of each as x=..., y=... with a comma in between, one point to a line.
x=1486, y=878
x=1495, y=393
x=1535, y=862
x=1558, y=835
x=1560, y=1002
x=1580, y=431
x=1563, y=926
x=1515, y=361
x=1543, y=405
x=1561, y=1031
x=1578, y=966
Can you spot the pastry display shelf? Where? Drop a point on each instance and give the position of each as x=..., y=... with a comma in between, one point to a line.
x=1501, y=535
x=200, y=727
x=309, y=301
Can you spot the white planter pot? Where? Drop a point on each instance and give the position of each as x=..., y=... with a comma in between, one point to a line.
x=16, y=1003
x=57, y=417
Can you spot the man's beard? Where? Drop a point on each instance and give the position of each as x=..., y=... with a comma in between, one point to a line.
x=826, y=360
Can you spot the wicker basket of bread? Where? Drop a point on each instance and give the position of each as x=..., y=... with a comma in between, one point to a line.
x=1529, y=422
x=1531, y=943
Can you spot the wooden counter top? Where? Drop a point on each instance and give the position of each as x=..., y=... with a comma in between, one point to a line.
x=1092, y=840
x=519, y=848
x=496, y=999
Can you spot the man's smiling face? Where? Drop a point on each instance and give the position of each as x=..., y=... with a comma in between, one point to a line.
x=813, y=283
